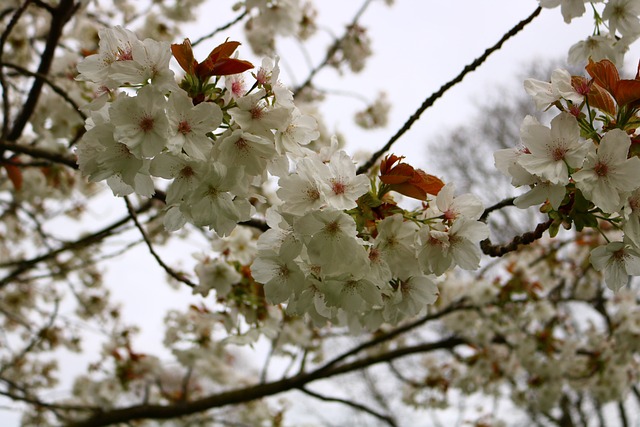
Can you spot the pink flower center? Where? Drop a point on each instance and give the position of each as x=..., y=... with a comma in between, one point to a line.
x=558, y=153
x=187, y=172
x=333, y=227
x=338, y=187
x=146, y=124
x=601, y=169
x=124, y=55
x=241, y=145
x=313, y=194
x=184, y=127
x=236, y=88
x=450, y=215
x=257, y=112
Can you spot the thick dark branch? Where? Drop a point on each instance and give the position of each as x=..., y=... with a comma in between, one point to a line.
x=39, y=153
x=354, y=405
x=435, y=96
x=501, y=204
x=61, y=15
x=331, y=51
x=499, y=250
x=248, y=394
x=3, y=84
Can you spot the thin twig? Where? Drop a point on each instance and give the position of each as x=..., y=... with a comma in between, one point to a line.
x=217, y=30
x=57, y=89
x=435, y=96
x=25, y=265
x=354, y=405
x=331, y=51
x=171, y=272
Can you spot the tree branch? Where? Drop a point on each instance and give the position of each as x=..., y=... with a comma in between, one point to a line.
x=217, y=30
x=145, y=237
x=57, y=89
x=258, y=391
x=435, y=96
x=3, y=84
x=499, y=250
x=61, y=15
x=39, y=153
x=354, y=405
x=332, y=50
x=25, y=265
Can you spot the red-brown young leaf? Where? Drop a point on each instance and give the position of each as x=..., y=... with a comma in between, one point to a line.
x=601, y=99
x=219, y=63
x=228, y=66
x=184, y=55
x=429, y=183
x=604, y=73
x=400, y=173
x=627, y=92
x=405, y=179
x=14, y=173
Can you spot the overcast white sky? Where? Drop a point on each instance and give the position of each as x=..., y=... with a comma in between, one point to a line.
x=418, y=46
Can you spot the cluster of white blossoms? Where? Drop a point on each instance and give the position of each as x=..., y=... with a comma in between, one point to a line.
x=216, y=154
x=621, y=22
x=337, y=266
x=584, y=173
x=337, y=248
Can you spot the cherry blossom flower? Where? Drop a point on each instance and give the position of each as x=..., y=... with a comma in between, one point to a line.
x=240, y=148
x=598, y=47
x=623, y=17
x=141, y=122
x=211, y=203
x=457, y=246
x=631, y=225
x=331, y=242
x=116, y=44
x=396, y=241
x=189, y=124
x=299, y=129
x=280, y=276
x=254, y=115
x=551, y=152
x=149, y=64
x=607, y=172
x=506, y=161
x=618, y=260
x=544, y=93
x=541, y=192
x=343, y=186
x=452, y=207
x=302, y=191
x=215, y=274
x=570, y=8
x=101, y=157
x=185, y=173
x=411, y=297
